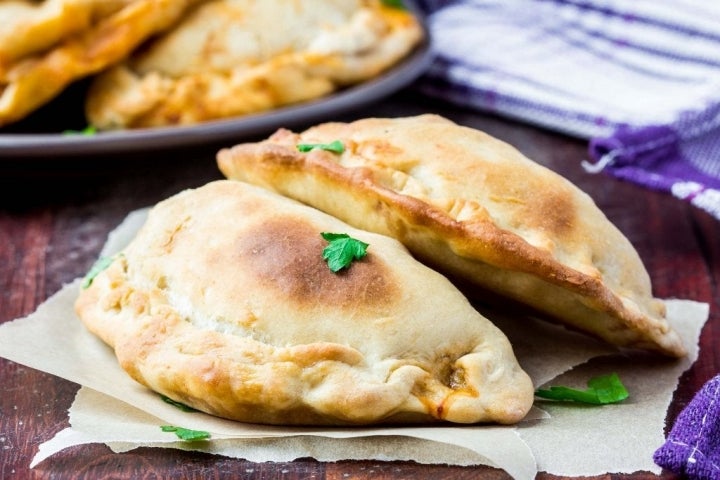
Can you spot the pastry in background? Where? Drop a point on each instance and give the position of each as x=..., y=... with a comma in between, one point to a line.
x=475, y=208
x=224, y=302
x=30, y=26
x=55, y=43
x=235, y=57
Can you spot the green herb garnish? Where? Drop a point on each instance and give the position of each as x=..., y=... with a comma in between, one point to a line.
x=335, y=147
x=100, y=264
x=186, y=434
x=181, y=406
x=601, y=390
x=394, y=4
x=88, y=131
x=342, y=249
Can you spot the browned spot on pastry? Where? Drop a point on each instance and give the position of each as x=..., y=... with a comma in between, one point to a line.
x=558, y=217
x=286, y=255
x=378, y=149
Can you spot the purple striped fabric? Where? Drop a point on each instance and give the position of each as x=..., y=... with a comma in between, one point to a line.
x=639, y=79
x=692, y=448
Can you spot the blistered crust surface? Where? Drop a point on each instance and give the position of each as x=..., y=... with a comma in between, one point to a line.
x=223, y=302
x=475, y=207
x=236, y=57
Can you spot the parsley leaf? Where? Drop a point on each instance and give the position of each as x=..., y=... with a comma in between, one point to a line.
x=601, y=390
x=186, y=434
x=342, y=249
x=181, y=406
x=100, y=264
x=87, y=131
x=394, y=4
x=335, y=147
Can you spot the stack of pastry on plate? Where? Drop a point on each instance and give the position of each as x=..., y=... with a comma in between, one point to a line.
x=173, y=62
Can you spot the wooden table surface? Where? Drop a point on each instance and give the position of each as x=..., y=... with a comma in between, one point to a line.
x=55, y=215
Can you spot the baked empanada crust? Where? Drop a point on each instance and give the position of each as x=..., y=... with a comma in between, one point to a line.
x=223, y=302
x=30, y=26
x=473, y=207
x=30, y=81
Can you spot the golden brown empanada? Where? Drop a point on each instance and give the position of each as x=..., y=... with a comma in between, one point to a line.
x=235, y=57
x=30, y=81
x=31, y=26
x=223, y=302
x=475, y=207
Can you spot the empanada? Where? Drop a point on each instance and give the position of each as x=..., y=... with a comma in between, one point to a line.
x=476, y=208
x=32, y=80
x=31, y=26
x=236, y=57
x=223, y=302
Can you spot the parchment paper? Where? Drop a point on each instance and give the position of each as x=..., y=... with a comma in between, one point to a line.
x=562, y=439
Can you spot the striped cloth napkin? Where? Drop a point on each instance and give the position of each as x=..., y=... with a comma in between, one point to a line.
x=639, y=79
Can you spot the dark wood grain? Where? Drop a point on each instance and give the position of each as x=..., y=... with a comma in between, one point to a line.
x=55, y=215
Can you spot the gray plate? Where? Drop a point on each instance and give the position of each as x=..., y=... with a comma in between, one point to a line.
x=31, y=138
